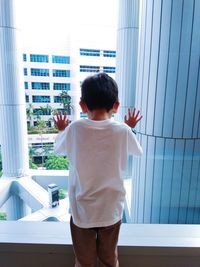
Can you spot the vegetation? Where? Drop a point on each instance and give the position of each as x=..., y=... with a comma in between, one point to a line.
x=54, y=162
x=66, y=101
x=34, y=130
x=3, y=216
x=32, y=165
x=62, y=193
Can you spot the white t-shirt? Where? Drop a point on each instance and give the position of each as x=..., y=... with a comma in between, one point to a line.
x=98, y=153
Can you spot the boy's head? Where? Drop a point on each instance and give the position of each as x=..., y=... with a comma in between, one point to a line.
x=99, y=91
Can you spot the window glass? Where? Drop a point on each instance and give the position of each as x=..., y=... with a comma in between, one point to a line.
x=39, y=72
x=41, y=99
x=39, y=58
x=61, y=59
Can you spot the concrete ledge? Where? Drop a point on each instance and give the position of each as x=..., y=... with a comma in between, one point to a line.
x=49, y=244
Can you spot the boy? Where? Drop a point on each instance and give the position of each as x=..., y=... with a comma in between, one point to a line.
x=98, y=148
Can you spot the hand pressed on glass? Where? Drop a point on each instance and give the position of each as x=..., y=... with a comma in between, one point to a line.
x=132, y=118
x=61, y=121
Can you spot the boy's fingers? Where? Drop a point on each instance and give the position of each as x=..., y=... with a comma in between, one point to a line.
x=133, y=114
x=129, y=112
x=60, y=115
x=139, y=119
x=137, y=114
x=125, y=118
x=65, y=116
x=57, y=116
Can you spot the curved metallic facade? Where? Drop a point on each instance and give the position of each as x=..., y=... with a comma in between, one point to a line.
x=13, y=133
x=166, y=184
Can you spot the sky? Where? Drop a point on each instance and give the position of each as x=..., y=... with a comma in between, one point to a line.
x=50, y=22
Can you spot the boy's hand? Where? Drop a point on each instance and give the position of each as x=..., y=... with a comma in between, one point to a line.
x=132, y=118
x=61, y=122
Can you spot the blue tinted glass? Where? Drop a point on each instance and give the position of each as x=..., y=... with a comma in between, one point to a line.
x=25, y=72
x=109, y=53
x=41, y=99
x=61, y=86
x=26, y=85
x=39, y=58
x=40, y=86
x=27, y=98
x=61, y=73
x=89, y=52
x=40, y=72
x=109, y=69
x=57, y=99
x=61, y=59
x=24, y=57
x=89, y=68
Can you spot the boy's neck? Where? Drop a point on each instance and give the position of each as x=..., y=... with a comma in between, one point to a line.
x=99, y=115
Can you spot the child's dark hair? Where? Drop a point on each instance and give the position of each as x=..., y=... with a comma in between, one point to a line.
x=99, y=91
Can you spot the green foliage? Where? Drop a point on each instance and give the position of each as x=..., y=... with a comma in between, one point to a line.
x=34, y=130
x=41, y=126
x=66, y=101
x=32, y=165
x=62, y=193
x=54, y=162
x=3, y=216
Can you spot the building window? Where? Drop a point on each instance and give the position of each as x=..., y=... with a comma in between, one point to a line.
x=39, y=58
x=26, y=85
x=61, y=73
x=40, y=72
x=57, y=99
x=24, y=57
x=61, y=86
x=40, y=86
x=43, y=111
x=61, y=59
x=89, y=68
x=109, y=69
x=25, y=72
x=89, y=52
x=109, y=53
x=41, y=99
x=27, y=98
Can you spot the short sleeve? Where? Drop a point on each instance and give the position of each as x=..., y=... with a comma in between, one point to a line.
x=61, y=142
x=133, y=145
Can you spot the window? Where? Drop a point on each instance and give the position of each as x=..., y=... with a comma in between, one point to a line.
x=27, y=98
x=61, y=59
x=61, y=73
x=41, y=99
x=42, y=111
x=57, y=99
x=26, y=85
x=109, y=53
x=24, y=57
x=61, y=86
x=109, y=69
x=40, y=86
x=25, y=72
x=89, y=68
x=40, y=72
x=90, y=52
x=39, y=58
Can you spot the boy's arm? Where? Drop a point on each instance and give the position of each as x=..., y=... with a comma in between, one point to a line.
x=60, y=145
x=131, y=120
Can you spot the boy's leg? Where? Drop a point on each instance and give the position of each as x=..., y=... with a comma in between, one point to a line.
x=107, y=245
x=84, y=244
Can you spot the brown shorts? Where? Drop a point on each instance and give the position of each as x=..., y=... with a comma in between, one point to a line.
x=95, y=245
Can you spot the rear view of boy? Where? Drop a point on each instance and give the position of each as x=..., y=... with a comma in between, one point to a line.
x=98, y=149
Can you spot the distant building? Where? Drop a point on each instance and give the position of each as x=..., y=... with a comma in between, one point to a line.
x=47, y=74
